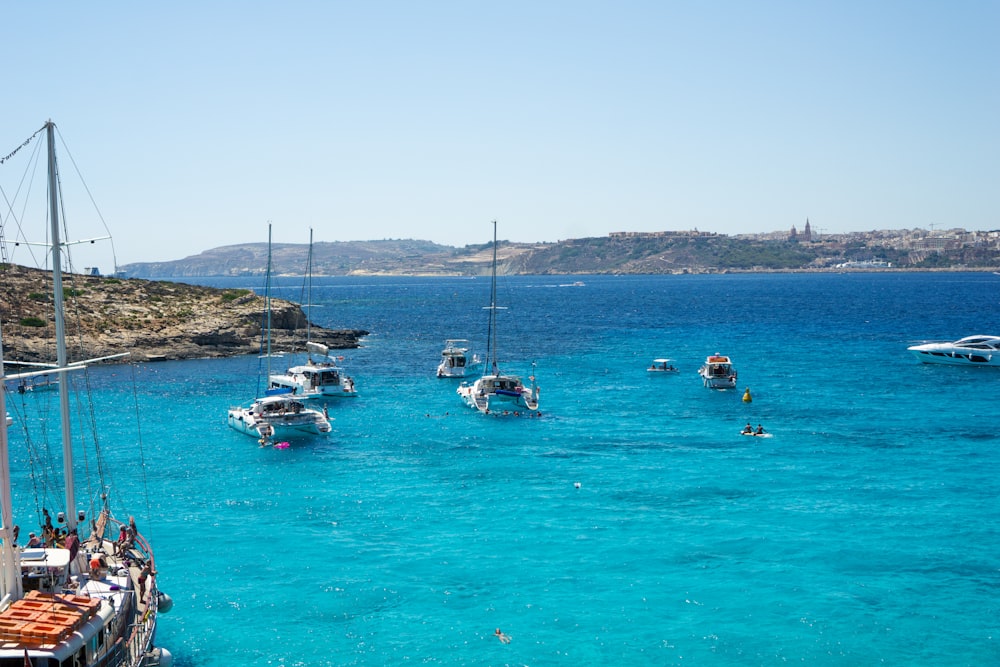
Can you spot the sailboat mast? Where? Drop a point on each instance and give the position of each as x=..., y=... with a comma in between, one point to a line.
x=10, y=576
x=267, y=301
x=491, y=351
x=309, y=292
x=61, y=359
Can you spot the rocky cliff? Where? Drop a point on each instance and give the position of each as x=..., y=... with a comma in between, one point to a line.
x=153, y=320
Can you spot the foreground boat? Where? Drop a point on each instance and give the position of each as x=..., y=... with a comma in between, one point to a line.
x=976, y=350
x=71, y=600
x=718, y=372
x=496, y=391
x=456, y=359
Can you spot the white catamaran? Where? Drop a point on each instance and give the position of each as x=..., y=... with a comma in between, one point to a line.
x=73, y=600
x=319, y=377
x=496, y=391
x=278, y=415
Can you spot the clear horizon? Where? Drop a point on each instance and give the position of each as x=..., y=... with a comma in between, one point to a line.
x=194, y=125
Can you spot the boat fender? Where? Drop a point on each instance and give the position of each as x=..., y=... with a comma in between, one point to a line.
x=161, y=657
x=747, y=398
x=164, y=602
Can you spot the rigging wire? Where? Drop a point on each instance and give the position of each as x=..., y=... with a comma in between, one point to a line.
x=114, y=256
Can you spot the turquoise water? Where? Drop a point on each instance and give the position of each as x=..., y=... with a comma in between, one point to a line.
x=630, y=523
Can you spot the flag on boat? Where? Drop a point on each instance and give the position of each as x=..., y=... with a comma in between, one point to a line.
x=317, y=348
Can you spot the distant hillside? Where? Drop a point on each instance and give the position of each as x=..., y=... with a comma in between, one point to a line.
x=654, y=253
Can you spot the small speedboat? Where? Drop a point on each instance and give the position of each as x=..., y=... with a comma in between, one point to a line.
x=718, y=372
x=978, y=350
x=662, y=366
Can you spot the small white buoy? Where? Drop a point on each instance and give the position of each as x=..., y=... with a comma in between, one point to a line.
x=576, y=484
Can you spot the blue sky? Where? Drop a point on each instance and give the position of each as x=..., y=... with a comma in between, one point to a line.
x=195, y=123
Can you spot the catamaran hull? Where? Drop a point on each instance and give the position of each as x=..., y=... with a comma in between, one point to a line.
x=485, y=396
x=315, y=382
x=281, y=428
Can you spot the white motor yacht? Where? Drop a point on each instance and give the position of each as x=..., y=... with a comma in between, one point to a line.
x=456, y=359
x=718, y=372
x=979, y=350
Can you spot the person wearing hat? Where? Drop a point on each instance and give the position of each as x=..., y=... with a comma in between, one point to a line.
x=33, y=541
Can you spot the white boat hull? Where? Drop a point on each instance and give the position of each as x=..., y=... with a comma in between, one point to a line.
x=969, y=351
x=278, y=418
x=456, y=360
x=719, y=382
x=312, y=382
x=499, y=393
x=718, y=372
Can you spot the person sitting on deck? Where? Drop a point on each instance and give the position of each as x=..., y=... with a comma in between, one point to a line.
x=748, y=428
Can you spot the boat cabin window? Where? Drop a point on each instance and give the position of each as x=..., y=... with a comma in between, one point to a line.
x=327, y=378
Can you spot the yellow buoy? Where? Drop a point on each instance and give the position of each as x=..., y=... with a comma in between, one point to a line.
x=746, y=396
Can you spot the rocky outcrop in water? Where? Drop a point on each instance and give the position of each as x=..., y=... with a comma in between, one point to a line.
x=153, y=320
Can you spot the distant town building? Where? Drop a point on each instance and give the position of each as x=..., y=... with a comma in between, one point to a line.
x=807, y=233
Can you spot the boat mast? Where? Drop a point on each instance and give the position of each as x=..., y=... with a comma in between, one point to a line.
x=10, y=576
x=491, y=334
x=309, y=293
x=61, y=360
x=267, y=303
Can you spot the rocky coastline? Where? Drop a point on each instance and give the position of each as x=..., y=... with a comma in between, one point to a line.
x=152, y=320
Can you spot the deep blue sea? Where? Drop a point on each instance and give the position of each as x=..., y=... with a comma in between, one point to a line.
x=629, y=524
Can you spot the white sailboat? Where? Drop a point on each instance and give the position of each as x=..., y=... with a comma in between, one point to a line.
x=278, y=415
x=74, y=600
x=319, y=377
x=495, y=391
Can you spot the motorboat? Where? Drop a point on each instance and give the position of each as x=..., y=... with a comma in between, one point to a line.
x=718, y=372
x=978, y=350
x=662, y=365
x=456, y=359
x=497, y=392
x=280, y=417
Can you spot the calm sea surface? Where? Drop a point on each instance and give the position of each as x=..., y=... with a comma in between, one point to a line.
x=629, y=524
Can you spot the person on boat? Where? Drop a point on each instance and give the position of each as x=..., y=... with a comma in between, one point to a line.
x=72, y=543
x=144, y=574
x=760, y=429
x=33, y=541
x=748, y=428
